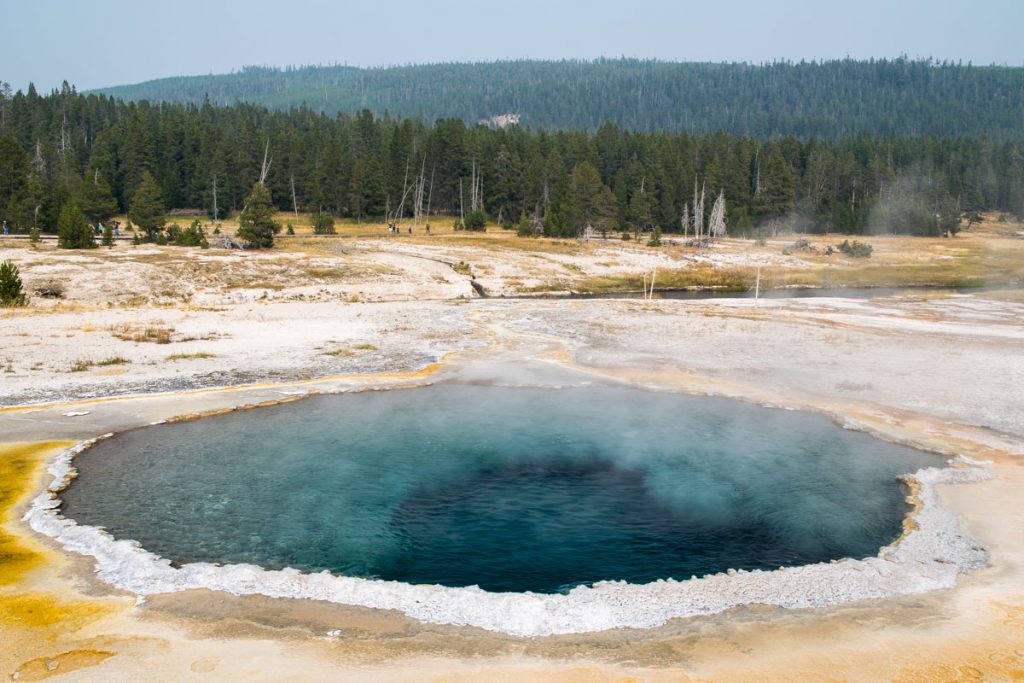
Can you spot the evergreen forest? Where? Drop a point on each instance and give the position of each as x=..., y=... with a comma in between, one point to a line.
x=102, y=154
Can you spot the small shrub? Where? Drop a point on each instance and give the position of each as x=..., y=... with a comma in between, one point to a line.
x=526, y=228
x=323, y=224
x=462, y=268
x=626, y=236
x=192, y=236
x=73, y=231
x=655, y=240
x=856, y=249
x=476, y=221
x=290, y=230
x=34, y=236
x=108, y=235
x=11, y=292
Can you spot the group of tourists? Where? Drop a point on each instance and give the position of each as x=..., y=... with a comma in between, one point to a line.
x=394, y=229
x=98, y=228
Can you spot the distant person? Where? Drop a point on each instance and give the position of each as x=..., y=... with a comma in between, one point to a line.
x=6, y=231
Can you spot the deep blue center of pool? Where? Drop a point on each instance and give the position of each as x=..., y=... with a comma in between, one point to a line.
x=508, y=489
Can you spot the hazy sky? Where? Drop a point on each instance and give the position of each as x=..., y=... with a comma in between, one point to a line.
x=94, y=43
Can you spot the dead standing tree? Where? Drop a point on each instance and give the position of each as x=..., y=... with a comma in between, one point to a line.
x=698, y=213
x=265, y=166
x=716, y=225
x=476, y=195
x=418, y=192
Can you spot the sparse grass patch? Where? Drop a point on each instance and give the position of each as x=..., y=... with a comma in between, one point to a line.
x=365, y=347
x=255, y=284
x=155, y=333
x=327, y=273
x=134, y=301
x=728, y=279
x=113, y=360
x=463, y=268
x=81, y=365
x=200, y=355
x=340, y=353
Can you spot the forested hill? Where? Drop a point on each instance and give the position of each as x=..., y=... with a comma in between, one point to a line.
x=808, y=99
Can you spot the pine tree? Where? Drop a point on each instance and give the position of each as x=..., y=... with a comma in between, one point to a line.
x=108, y=235
x=323, y=224
x=14, y=169
x=73, y=231
x=11, y=292
x=147, y=209
x=95, y=199
x=588, y=202
x=640, y=214
x=256, y=224
x=779, y=185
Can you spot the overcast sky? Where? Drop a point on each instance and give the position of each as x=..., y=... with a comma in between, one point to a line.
x=98, y=43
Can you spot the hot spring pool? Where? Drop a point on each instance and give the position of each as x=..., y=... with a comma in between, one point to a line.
x=510, y=489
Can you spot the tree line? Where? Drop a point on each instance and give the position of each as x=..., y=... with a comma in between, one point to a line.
x=100, y=153
x=829, y=99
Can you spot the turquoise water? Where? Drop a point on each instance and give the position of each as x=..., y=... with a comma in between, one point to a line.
x=508, y=489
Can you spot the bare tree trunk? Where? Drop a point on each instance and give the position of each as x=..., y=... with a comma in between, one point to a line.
x=757, y=286
x=430, y=195
x=698, y=211
x=400, y=211
x=265, y=166
x=295, y=203
x=417, y=211
x=716, y=226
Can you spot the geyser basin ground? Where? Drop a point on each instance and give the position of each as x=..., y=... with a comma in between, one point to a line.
x=509, y=489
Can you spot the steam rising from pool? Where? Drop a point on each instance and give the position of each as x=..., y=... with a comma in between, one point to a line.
x=508, y=489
